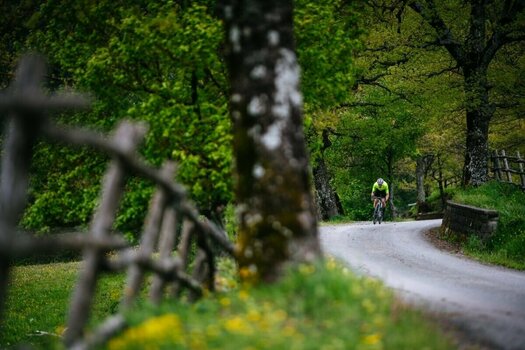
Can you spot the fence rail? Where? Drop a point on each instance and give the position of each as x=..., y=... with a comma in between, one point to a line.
x=171, y=218
x=509, y=169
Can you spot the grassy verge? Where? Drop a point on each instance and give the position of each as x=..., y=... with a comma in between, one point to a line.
x=314, y=307
x=507, y=246
x=38, y=300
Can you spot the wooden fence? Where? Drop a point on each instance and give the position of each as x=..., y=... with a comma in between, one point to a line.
x=508, y=169
x=171, y=218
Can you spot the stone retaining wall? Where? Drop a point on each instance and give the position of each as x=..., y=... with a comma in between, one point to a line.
x=466, y=219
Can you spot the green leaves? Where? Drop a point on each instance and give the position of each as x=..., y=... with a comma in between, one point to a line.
x=156, y=62
x=327, y=35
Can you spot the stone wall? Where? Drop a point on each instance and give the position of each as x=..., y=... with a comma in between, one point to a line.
x=466, y=219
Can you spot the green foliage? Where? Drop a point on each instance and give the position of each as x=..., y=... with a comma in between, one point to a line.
x=230, y=222
x=507, y=245
x=158, y=62
x=372, y=143
x=137, y=196
x=38, y=300
x=311, y=308
x=327, y=35
x=64, y=187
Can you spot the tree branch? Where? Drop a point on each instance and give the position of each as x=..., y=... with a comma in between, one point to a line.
x=444, y=35
x=358, y=104
x=444, y=70
x=502, y=34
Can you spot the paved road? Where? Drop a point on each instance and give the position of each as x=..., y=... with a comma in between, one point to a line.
x=487, y=302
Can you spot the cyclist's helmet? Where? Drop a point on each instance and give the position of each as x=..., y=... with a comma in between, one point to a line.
x=380, y=181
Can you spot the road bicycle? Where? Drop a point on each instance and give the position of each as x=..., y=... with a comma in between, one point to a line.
x=378, y=211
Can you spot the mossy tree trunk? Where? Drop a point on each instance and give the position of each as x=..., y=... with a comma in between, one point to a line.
x=275, y=207
x=473, y=56
x=423, y=163
x=328, y=203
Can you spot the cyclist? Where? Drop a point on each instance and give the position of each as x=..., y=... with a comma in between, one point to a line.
x=380, y=190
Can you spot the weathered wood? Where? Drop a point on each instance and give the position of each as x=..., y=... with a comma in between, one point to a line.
x=109, y=328
x=184, y=251
x=149, y=238
x=127, y=138
x=497, y=169
x=506, y=164
x=517, y=169
x=522, y=172
x=25, y=116
x=26, y=105
x=137, y=167
x=168, y=237
x=200, y=271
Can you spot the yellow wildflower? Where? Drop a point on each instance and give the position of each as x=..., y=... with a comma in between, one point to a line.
x=253, y=315
x=279, y=315
x=371, y=339
x=331, y=264
x=306, y=270
x=237, y=325
x=225, y=302
x=155, y=330
x=368, y=305
x=243, y=294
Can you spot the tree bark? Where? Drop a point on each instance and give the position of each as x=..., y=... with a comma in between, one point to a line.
x=422, y=165
x=479, y=114
x=473, y=56
x=327, y=201
x=328, y=204
x=275, y=207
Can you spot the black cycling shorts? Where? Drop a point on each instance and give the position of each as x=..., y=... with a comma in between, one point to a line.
x=380, y=194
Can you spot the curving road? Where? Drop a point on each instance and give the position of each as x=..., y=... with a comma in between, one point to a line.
x=487, y=302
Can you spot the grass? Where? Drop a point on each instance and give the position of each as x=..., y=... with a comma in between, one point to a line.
x=38, y=299
x=320, y=306
x=507, y=246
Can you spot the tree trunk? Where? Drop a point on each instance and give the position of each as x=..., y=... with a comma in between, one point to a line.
x=474, y=57
x=328, y=204
x=391, y=200
x=479, y=114
x=275, y=207
x=422, y=165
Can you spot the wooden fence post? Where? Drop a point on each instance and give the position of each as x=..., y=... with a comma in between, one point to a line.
x=497, y=167
x=127, y=138
x=26, y=106
x=149, y=238
x=506, y=164
x=522, y=172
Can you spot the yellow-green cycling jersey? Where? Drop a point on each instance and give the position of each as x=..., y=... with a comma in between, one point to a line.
x=380, y=191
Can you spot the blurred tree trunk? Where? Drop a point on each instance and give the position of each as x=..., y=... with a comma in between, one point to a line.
x=327, y=200
x=275, y=207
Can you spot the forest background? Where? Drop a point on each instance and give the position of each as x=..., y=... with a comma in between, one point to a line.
x=384, y=96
